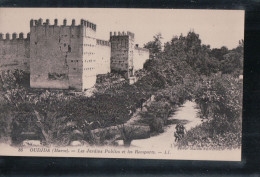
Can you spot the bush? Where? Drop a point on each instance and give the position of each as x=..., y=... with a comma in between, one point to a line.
x=156, y=125
x=202, y=137
x=220, y=100
x=127, y=134
x=156, y=116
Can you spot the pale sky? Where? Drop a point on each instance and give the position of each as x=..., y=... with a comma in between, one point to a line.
x=216, y=27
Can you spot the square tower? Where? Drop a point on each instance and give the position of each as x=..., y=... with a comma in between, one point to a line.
x=60, y=54
x=122, y=49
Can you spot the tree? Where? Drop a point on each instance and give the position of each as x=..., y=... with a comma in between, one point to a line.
x=55, y=130
x=127, y=133
x=219, y=53
x=233, y=60
x=155, y=46
x=188, y=52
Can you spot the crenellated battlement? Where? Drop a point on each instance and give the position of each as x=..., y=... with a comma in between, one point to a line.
x=88, y=24
x=14, y=36
x=128, y=33
x=103, y=42
x=83, y=22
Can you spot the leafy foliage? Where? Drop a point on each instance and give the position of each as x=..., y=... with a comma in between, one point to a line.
x=127, y=133
x=155, y=46
x=191, y=70
x=220, y=101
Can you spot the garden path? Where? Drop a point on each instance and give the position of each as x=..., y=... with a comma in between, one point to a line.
x=136, y=116
x=186, y=114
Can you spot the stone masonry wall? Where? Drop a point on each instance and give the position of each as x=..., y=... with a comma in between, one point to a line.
x=141, y=55
x=89, y=56
x=59, y=54
x=122, y=45
x=15, y=52
x=103, y=56
x=69, y=56
x=56, y=55
x=131, y=54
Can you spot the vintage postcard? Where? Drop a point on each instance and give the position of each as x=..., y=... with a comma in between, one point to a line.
x=121, y=83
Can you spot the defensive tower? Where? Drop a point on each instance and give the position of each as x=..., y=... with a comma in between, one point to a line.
x=60, y=54
x=122, y=48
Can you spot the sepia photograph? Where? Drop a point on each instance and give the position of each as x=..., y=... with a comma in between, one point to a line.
x=121, y=83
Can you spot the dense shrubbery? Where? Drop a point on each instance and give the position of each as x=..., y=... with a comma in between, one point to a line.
x=156, y=116
x=165, y=104
x=191, y=70
x=56, y=116
x=220, y=101
x=29, y=113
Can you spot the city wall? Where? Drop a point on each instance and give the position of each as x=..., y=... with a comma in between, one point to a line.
x=131, y=54
x=141, y=55
x=89, y=59
x=69, y=56
x=14, y=52
x=103, y=56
